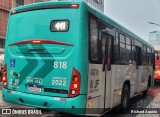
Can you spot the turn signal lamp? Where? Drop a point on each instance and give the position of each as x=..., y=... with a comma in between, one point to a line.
x=4, y=72
x=76, y=79
x=89, y=104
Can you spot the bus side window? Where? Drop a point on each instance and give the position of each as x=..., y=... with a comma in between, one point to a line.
x=128, y=49
x=133, y=51
x=94, y=56
x=116, y=48
x=125, y=49
x=122, y=48
x=153, y=59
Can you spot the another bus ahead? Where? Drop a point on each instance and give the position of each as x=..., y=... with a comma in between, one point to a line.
x=157, y=65
x=69, y=57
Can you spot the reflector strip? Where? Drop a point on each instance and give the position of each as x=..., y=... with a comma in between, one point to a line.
x=56, y=90
x=40, y=42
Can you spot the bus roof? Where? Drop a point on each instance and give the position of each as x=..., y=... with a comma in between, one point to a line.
x=45, y=4
x=92, y=10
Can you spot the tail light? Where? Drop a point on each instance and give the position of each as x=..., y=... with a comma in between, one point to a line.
x=4, y=77
x=74, y=5
x=14, y=12
x=74, y=89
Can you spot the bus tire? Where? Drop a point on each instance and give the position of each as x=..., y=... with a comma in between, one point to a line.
x=144, y=93
x=125, y=97
x=155, y=81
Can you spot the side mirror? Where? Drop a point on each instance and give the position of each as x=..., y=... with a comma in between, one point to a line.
x=157, y=57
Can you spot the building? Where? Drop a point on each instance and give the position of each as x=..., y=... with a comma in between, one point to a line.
x=5, y=6
x=154, y=39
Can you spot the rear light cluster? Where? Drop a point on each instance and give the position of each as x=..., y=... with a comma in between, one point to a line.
x=4, y=77
x=74, y=89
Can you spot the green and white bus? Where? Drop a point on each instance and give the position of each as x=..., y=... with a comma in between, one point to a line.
x=69, y=57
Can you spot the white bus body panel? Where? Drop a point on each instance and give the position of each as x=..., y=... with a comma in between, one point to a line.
x=123, y=73
x=115, y=79
x=143, y=74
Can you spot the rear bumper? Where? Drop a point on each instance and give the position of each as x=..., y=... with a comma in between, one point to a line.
x=52, y=103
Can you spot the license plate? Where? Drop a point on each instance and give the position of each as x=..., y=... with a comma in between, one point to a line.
x=37, y=81
x=35, y=89
x=34, y=80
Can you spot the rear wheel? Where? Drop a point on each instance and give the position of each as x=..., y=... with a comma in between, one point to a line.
x=146, y=91
x=155, y=81
x=125, y=97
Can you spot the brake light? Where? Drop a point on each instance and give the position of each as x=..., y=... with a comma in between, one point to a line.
x=4, y=77
x=74, y=89
x=36, y=42
x=74, y=5
x=14, y=12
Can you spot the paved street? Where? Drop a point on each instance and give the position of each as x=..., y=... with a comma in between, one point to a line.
x=151, y=101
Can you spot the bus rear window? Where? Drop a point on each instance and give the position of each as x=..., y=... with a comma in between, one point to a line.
x=59, y=25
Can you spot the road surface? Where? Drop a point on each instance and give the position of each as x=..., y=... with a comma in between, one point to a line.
x=149, y=103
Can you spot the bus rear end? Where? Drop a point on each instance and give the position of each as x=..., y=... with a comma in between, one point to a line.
x=42, y=58
x=157, y=65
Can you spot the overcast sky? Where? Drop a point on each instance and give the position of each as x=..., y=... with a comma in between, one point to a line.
x=135, y=15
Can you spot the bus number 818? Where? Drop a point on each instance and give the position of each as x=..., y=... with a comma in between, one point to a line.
x=60, y=64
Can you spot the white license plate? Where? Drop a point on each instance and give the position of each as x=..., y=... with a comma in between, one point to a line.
x=35, y=89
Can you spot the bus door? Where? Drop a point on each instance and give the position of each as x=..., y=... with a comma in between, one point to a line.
x=107, y=48
x=99, y=79
x=138, y=55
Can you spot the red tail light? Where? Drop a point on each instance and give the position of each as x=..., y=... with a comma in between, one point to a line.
x=74, y=89
x=4, y=77
x=74, y=6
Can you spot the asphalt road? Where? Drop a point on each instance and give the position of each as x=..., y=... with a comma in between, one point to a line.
x=150, y=102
